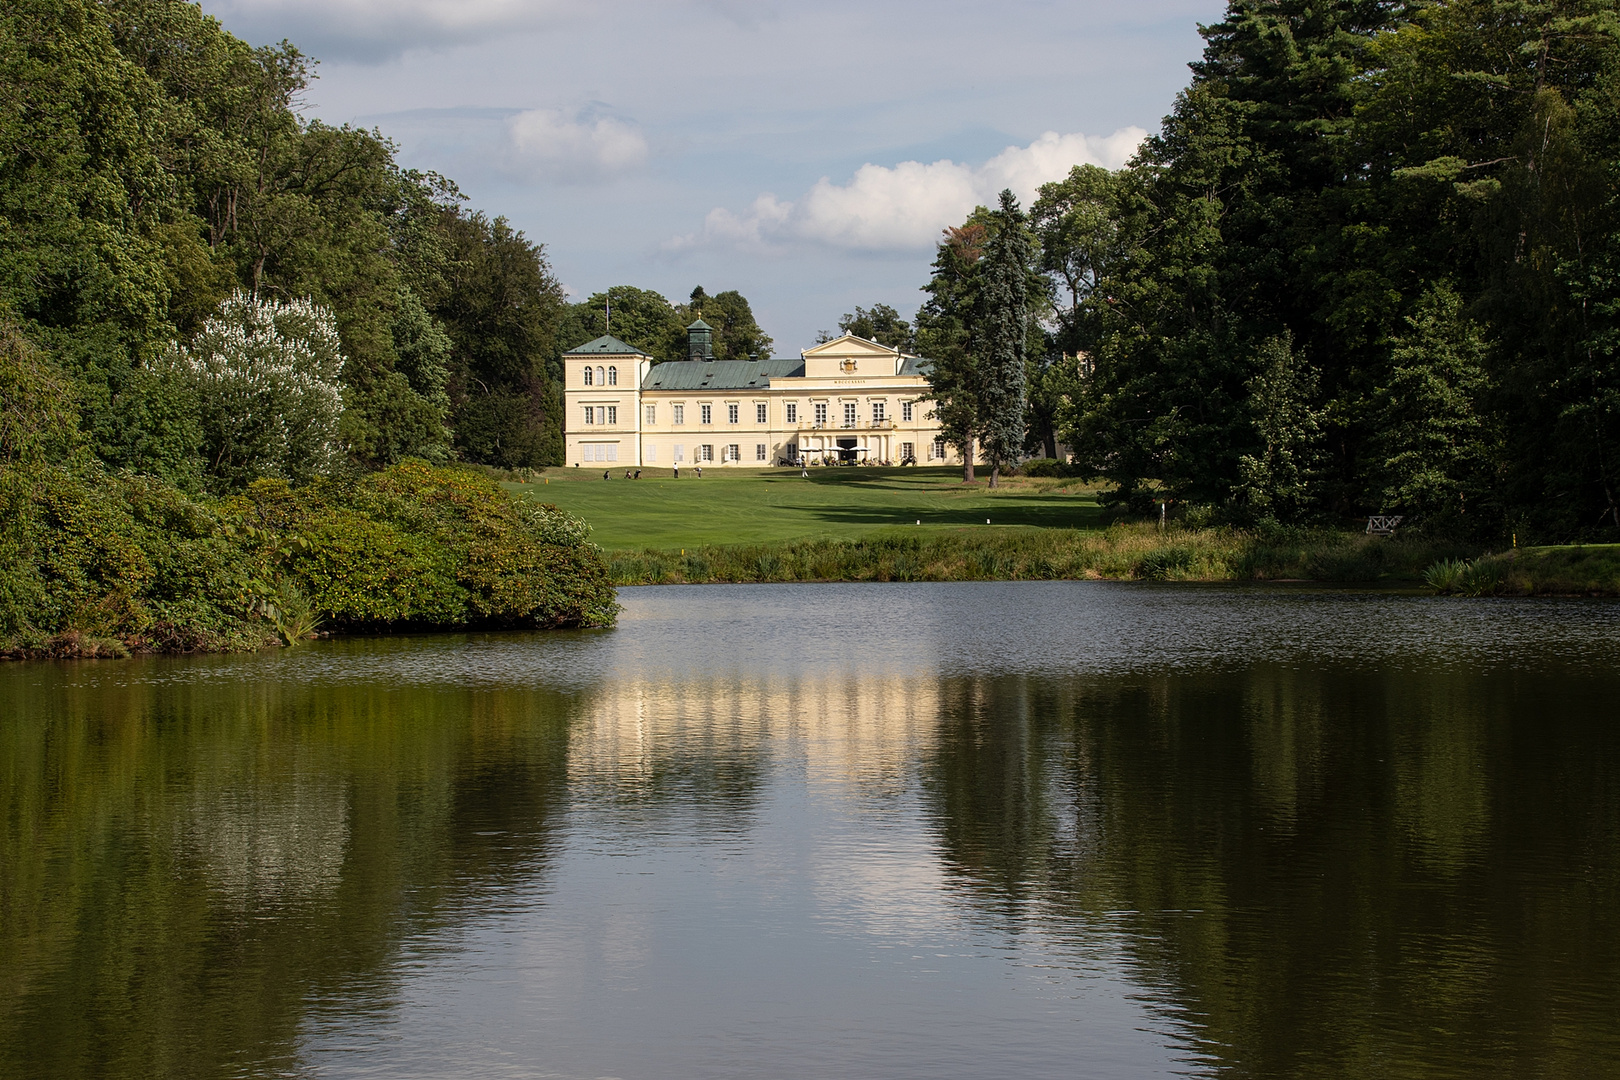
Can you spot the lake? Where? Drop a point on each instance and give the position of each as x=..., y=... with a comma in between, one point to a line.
x=886, y=830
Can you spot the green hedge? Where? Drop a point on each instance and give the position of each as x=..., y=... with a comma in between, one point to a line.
x=95, y=562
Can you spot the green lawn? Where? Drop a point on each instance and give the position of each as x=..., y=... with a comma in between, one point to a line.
x=735, y=506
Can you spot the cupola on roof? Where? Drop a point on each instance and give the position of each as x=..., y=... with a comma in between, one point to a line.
x=700, y=341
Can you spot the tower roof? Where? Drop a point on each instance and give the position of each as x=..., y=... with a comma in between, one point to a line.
x=700, y=325
x=606, y=345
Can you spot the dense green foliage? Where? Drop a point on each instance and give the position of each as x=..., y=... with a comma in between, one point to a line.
x=93, y=555
x=96, y=560
x=151, y=163
x=882, y=324
x=1001, y=333
x=649, y=322
x=945, y=336
x=202, y=292
x=981, y=328
x=1368, y=264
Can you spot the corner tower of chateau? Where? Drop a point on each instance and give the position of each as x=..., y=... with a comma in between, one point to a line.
x=601, y=399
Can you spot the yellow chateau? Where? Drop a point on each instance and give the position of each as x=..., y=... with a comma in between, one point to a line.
x=847, y=400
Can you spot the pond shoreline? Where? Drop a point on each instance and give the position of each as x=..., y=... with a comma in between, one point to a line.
x=1120, y=554
x=1134, y=552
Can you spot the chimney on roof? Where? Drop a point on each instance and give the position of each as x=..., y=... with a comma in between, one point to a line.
x=700, y=341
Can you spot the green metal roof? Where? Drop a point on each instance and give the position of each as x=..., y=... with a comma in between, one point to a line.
x=915, y=365
x=607, y=344
x=719, y=374
x=700, y=325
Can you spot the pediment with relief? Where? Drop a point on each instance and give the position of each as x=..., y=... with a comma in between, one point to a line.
x=848, y=345
x=849, y=356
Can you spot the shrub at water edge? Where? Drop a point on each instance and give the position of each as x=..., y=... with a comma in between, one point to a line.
x=95, y=562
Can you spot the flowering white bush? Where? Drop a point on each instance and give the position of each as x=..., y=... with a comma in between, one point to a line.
x=267, y=376
x=554, y=526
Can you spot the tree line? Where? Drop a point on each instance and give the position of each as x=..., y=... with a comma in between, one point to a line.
x=233, y=290
x=1368, y=264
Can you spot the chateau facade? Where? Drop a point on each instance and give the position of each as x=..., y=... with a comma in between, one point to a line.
x=847, y=400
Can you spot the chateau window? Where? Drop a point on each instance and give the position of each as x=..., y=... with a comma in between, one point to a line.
x=613, y=376
x=908, y=452
x=793, y=412
x=761, y=452
x=821, y=413
x=680, y=414
x=731, y=414
x=878, y=410
x=759, y=412
x=652, y=452
x=905, y=410
x=733, y=452
x=680, y=452
x=613, y=451
x=706, y=452
x=588, y=380
x=601, y=379
x=706, y=414
x=652, y=414
x=938, y=450
x=612, y=414
x=590, y=414
x=849, y=414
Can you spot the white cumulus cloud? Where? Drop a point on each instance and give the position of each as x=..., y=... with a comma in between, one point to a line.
x=903, y=207
x=551, y=143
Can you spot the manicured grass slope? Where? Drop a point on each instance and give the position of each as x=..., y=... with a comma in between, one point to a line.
x=738, y=506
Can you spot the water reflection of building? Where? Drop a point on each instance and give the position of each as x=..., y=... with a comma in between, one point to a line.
x=861, y=730
x=263, y=844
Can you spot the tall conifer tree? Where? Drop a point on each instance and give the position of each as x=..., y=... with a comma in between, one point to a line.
x=945, y=335
x=1001, y=333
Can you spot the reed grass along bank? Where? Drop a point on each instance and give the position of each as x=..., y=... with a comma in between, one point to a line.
x=1125, y=551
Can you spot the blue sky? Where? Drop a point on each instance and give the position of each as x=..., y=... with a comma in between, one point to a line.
x=805, y=154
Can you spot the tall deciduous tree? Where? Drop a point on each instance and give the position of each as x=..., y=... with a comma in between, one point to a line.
x=640, y=318
x=1078, y=221
x=882, y=324
x=501, y=308
x=737, y=335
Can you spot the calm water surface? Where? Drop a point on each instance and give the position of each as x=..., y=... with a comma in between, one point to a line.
x=961, y=830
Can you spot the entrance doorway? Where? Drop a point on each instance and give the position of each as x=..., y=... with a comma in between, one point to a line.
x=846, y=451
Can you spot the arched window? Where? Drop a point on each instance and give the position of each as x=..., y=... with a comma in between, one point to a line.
x=601, y=380
x=613, y=376
x=587, y=374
